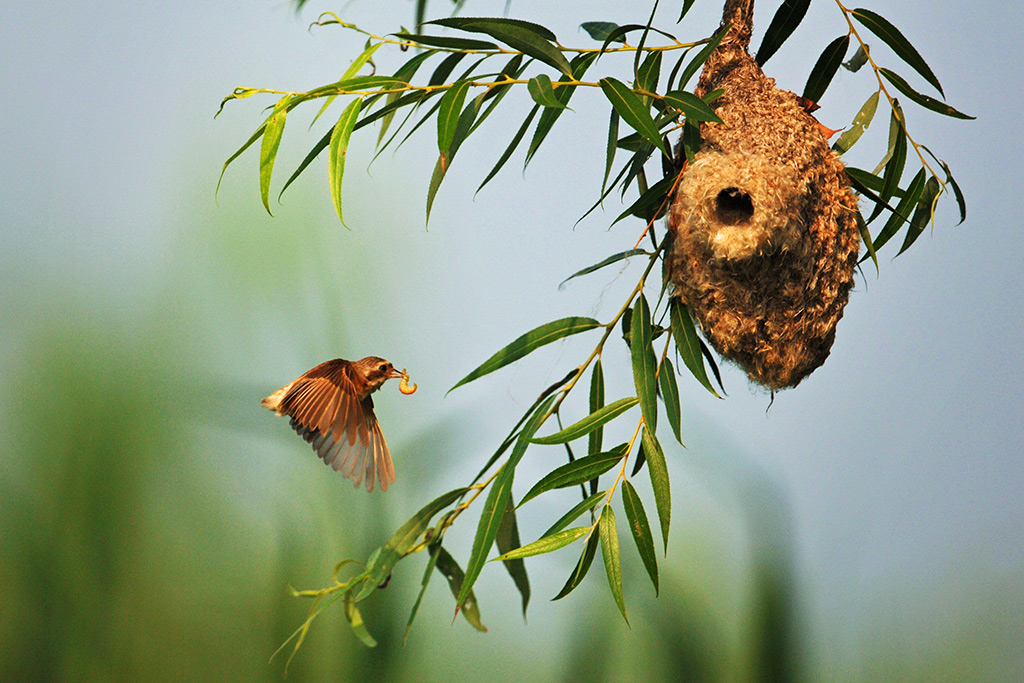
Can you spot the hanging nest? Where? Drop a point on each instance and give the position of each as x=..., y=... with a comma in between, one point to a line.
x=765, y=238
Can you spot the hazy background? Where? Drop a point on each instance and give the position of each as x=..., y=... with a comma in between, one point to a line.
x=869, y=526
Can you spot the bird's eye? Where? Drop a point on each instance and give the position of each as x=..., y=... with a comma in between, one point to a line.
x=383, y=367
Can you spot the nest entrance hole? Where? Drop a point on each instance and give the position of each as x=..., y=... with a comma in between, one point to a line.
x=733, y=206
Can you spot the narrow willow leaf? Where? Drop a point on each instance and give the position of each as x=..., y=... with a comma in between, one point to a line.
x=786, y=19
x=687, y=4
x=670, y=395
x=825, y=68
x=649, y=73
x=428, y=572
x=588, y=424
x=859, y=59
x=614, y=258
x=543, y=92
x=618, y=35
x=610, y=147
x=893, y=170
x=925, y=101
x=957, y=192
x=529, y=38
x=924, y=212
x=550, y=115
x=684, y=333
x=447, y=41
x=633, y=111
x=641, y=459
x=445, y=68
x=612, y=557
x=600, y=30
x=643, y=361
x=693, y=107
x=530, y=342
x=402, y=541
x=596, y=403
x=273, y=129
x=901, y=214
x=451, y=571
x=860, y=123
x=698, y=61
x=892, y=37
x=865, y=236
x=495, y=94
x=581, y=569
x=576, y=472
x=497, y=499
x=569, y=517
x=641, y=530
x=652, y=204
x=238, y=152
x=547, y=544
x=339, y=146
x=508, y=540
x=355, y=620
x=404, y=73
x=440, y=167
x=449, y=113
x=709, y=358
x=658, y=470
x=516, y=139
x=320, y=146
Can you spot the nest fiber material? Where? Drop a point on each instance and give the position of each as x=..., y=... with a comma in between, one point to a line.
x=765, y=238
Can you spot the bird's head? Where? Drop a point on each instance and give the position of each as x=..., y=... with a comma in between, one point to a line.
x=375, y=371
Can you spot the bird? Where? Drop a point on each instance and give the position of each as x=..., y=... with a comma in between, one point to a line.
x=331, y=409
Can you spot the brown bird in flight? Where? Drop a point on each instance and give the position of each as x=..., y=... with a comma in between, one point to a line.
x=330, y=407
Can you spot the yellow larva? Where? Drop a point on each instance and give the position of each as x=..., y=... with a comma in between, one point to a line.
x=404, y=387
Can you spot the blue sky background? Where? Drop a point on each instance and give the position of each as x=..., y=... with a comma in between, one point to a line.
x=894, y=471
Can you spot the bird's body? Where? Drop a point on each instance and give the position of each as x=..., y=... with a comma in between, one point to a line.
x=331, y=408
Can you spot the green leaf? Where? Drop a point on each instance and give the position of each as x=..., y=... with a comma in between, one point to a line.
x=531, y=39
x=576, y=472
x=451, y=571
x=633, y=111
x=600, y=30
x=403, y=540
x=698, y=61
x=957, y=192
x=543, y=93
x=508, y=540
x=859, y=59
x=550, y=115
x=596, y=403
x=547, y=544
x=687, y=4
x=569, y=517
x=925, y=101
x=530, y=342
x=273, y=129
x=891, y=36
x=652, y=203
x=511, y=147
x=693, y=107
x=428, y=572
x=896, y=162
x=865, y=236
x=924, y=213
x=610, y=147
x=339, y=146
x=614, y=258
x=684, y=333
x=589, y=423
x=447, y=41
x=643, y=361
x=641, y=530
x=901, y=214
x=860, y=123
x=658, y=470
x=649, y=73
x=582, y=567
x=826, y=67
x=355, y=620
x=612, y=559
x=670, y=395
x=497, y=499
x=786, y=19
x=449, y=113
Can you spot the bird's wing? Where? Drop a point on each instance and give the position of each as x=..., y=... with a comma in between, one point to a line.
x=327, y=413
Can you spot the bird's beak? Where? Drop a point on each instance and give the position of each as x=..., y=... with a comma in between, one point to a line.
x=395, y=374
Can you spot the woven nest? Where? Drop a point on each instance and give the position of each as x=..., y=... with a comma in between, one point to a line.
x=765, y=239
